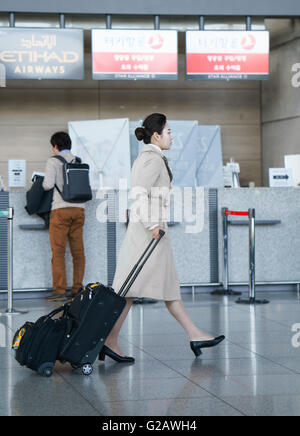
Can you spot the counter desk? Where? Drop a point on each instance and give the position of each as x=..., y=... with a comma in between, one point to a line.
x=198, y=256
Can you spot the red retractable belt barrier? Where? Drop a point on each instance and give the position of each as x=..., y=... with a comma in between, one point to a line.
x=230, y=212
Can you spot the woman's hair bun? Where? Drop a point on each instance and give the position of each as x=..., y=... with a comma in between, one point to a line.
x=153, y=123
x=140, y=133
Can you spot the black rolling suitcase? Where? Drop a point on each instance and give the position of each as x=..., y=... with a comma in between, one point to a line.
x=37, y=345
x=92, y=315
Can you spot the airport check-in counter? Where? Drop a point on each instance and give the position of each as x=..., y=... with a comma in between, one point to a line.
x=198, y=256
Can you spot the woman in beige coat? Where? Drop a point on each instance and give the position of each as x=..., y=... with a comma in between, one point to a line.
x=151, y=179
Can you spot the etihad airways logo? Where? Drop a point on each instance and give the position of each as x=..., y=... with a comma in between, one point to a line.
x=22, y=56
x=42, y=54
x=33, y=62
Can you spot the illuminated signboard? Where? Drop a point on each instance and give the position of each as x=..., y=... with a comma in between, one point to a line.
x=227, y=55
x=134, y=54
x=42, y=53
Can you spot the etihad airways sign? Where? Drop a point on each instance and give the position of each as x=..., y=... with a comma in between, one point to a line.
x=42, y=53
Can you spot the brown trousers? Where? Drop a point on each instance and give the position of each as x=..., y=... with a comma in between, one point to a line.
x=67, y=224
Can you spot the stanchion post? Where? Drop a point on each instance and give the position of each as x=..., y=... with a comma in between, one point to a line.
x=10, y=310
x=10, y=266
x=251, y=254
x=225, y=290
x=225, y=249
x=252, y=297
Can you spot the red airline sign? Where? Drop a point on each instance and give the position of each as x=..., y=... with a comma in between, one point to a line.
x=134, y=54
x=227, y=55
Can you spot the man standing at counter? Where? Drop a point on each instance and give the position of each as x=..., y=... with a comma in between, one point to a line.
x=66, y=221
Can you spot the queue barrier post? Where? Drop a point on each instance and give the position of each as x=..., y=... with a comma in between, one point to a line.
x=9, y=214
x=225, y=290
x=252, y=297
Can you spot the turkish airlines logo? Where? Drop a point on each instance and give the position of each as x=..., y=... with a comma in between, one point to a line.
x=248, y=42
x=156, y=42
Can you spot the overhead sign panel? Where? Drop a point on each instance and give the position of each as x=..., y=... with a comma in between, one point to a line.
x=227, y=55
x=134, y=54
x=255, y=8
x=42, y=53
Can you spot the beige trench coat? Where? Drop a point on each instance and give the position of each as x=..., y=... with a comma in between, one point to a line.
x=158, y=279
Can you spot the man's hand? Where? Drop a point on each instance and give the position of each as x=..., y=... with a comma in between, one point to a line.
x=155, y=232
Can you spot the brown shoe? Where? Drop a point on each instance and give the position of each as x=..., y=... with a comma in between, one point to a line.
x=56, y=297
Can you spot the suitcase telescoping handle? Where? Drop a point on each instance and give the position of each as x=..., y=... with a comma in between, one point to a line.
x=137, y=269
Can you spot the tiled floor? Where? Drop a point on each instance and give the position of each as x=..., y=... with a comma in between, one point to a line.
x=256, y=371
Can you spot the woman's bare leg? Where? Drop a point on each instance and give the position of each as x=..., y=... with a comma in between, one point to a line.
x=178, y=311
x=112, y=339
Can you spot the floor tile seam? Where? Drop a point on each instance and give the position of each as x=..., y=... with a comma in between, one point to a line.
x=252, y=374
x=283, y=343
x=265, y=317
x=239, y=345
x=270, y=360
x=262, y=317
x=173, y=346
x=237, y=376
x=263, y=395
x=191, y=381
x=155, y=358
x=224, y=400
x=212, y=395
x=260, y=396
x=79, y=393
x=281, y=323
x=149, y=378
x=209, y=396
x=202, y=397
x=213, y=360
x=223, y=397
x=95, y=408
x=159, y=360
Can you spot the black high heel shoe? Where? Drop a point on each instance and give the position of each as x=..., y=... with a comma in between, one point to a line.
x=110, y=353
x=197, y=345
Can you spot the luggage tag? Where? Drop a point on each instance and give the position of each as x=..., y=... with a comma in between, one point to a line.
x=18, y=339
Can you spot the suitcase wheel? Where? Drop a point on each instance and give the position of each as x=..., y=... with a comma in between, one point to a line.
x=46, y=369
x=47, y=372
x=87, y=369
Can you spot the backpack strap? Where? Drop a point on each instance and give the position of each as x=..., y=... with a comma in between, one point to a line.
x=63, y=160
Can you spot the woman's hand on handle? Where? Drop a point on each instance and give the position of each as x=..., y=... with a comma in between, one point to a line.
x=155, y=232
